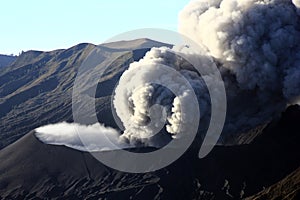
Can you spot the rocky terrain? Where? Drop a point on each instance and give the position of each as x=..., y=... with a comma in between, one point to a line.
x=6, y=60
x=269, y=165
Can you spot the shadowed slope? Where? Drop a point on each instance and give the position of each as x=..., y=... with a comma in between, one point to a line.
x=30, y=169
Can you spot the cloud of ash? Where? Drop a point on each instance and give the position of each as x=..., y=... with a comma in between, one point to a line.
x=256, y=47
x=148, y=83
x=97, y=136
x=257, y=40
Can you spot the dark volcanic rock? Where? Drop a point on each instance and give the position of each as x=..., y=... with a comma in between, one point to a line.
x=286, y=189
x=30, y=169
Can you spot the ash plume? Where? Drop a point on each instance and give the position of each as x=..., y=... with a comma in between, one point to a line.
x=258, y=41
x=255, y=44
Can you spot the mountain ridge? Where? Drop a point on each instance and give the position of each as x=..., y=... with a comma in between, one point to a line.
x=36, y=89
x=6, y=60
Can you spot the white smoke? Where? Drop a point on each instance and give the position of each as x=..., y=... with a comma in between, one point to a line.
x=254, y=43
x=296, y=3
x=97, y=137
x=144, y=85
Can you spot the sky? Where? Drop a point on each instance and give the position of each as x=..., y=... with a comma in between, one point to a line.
x=54, y=24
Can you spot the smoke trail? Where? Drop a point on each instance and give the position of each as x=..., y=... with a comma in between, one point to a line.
x=99, y=137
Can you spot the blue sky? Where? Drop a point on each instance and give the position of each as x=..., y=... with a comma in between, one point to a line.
x=53, y=24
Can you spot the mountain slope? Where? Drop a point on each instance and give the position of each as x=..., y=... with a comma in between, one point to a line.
x=286, y=189
x=6, y=60
x=36, y=170
x=37, y=89
x=53, y=171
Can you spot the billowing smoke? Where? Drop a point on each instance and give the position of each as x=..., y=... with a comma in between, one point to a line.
x=97, y=137
x=257, y=40
x=255, y=44
x=154, y=94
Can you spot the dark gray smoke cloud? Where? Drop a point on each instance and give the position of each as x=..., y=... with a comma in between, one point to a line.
x=257, y=40
x=256, y=44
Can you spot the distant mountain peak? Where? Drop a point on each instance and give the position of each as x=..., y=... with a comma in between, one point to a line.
x=142, y=43
x=6, y=60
